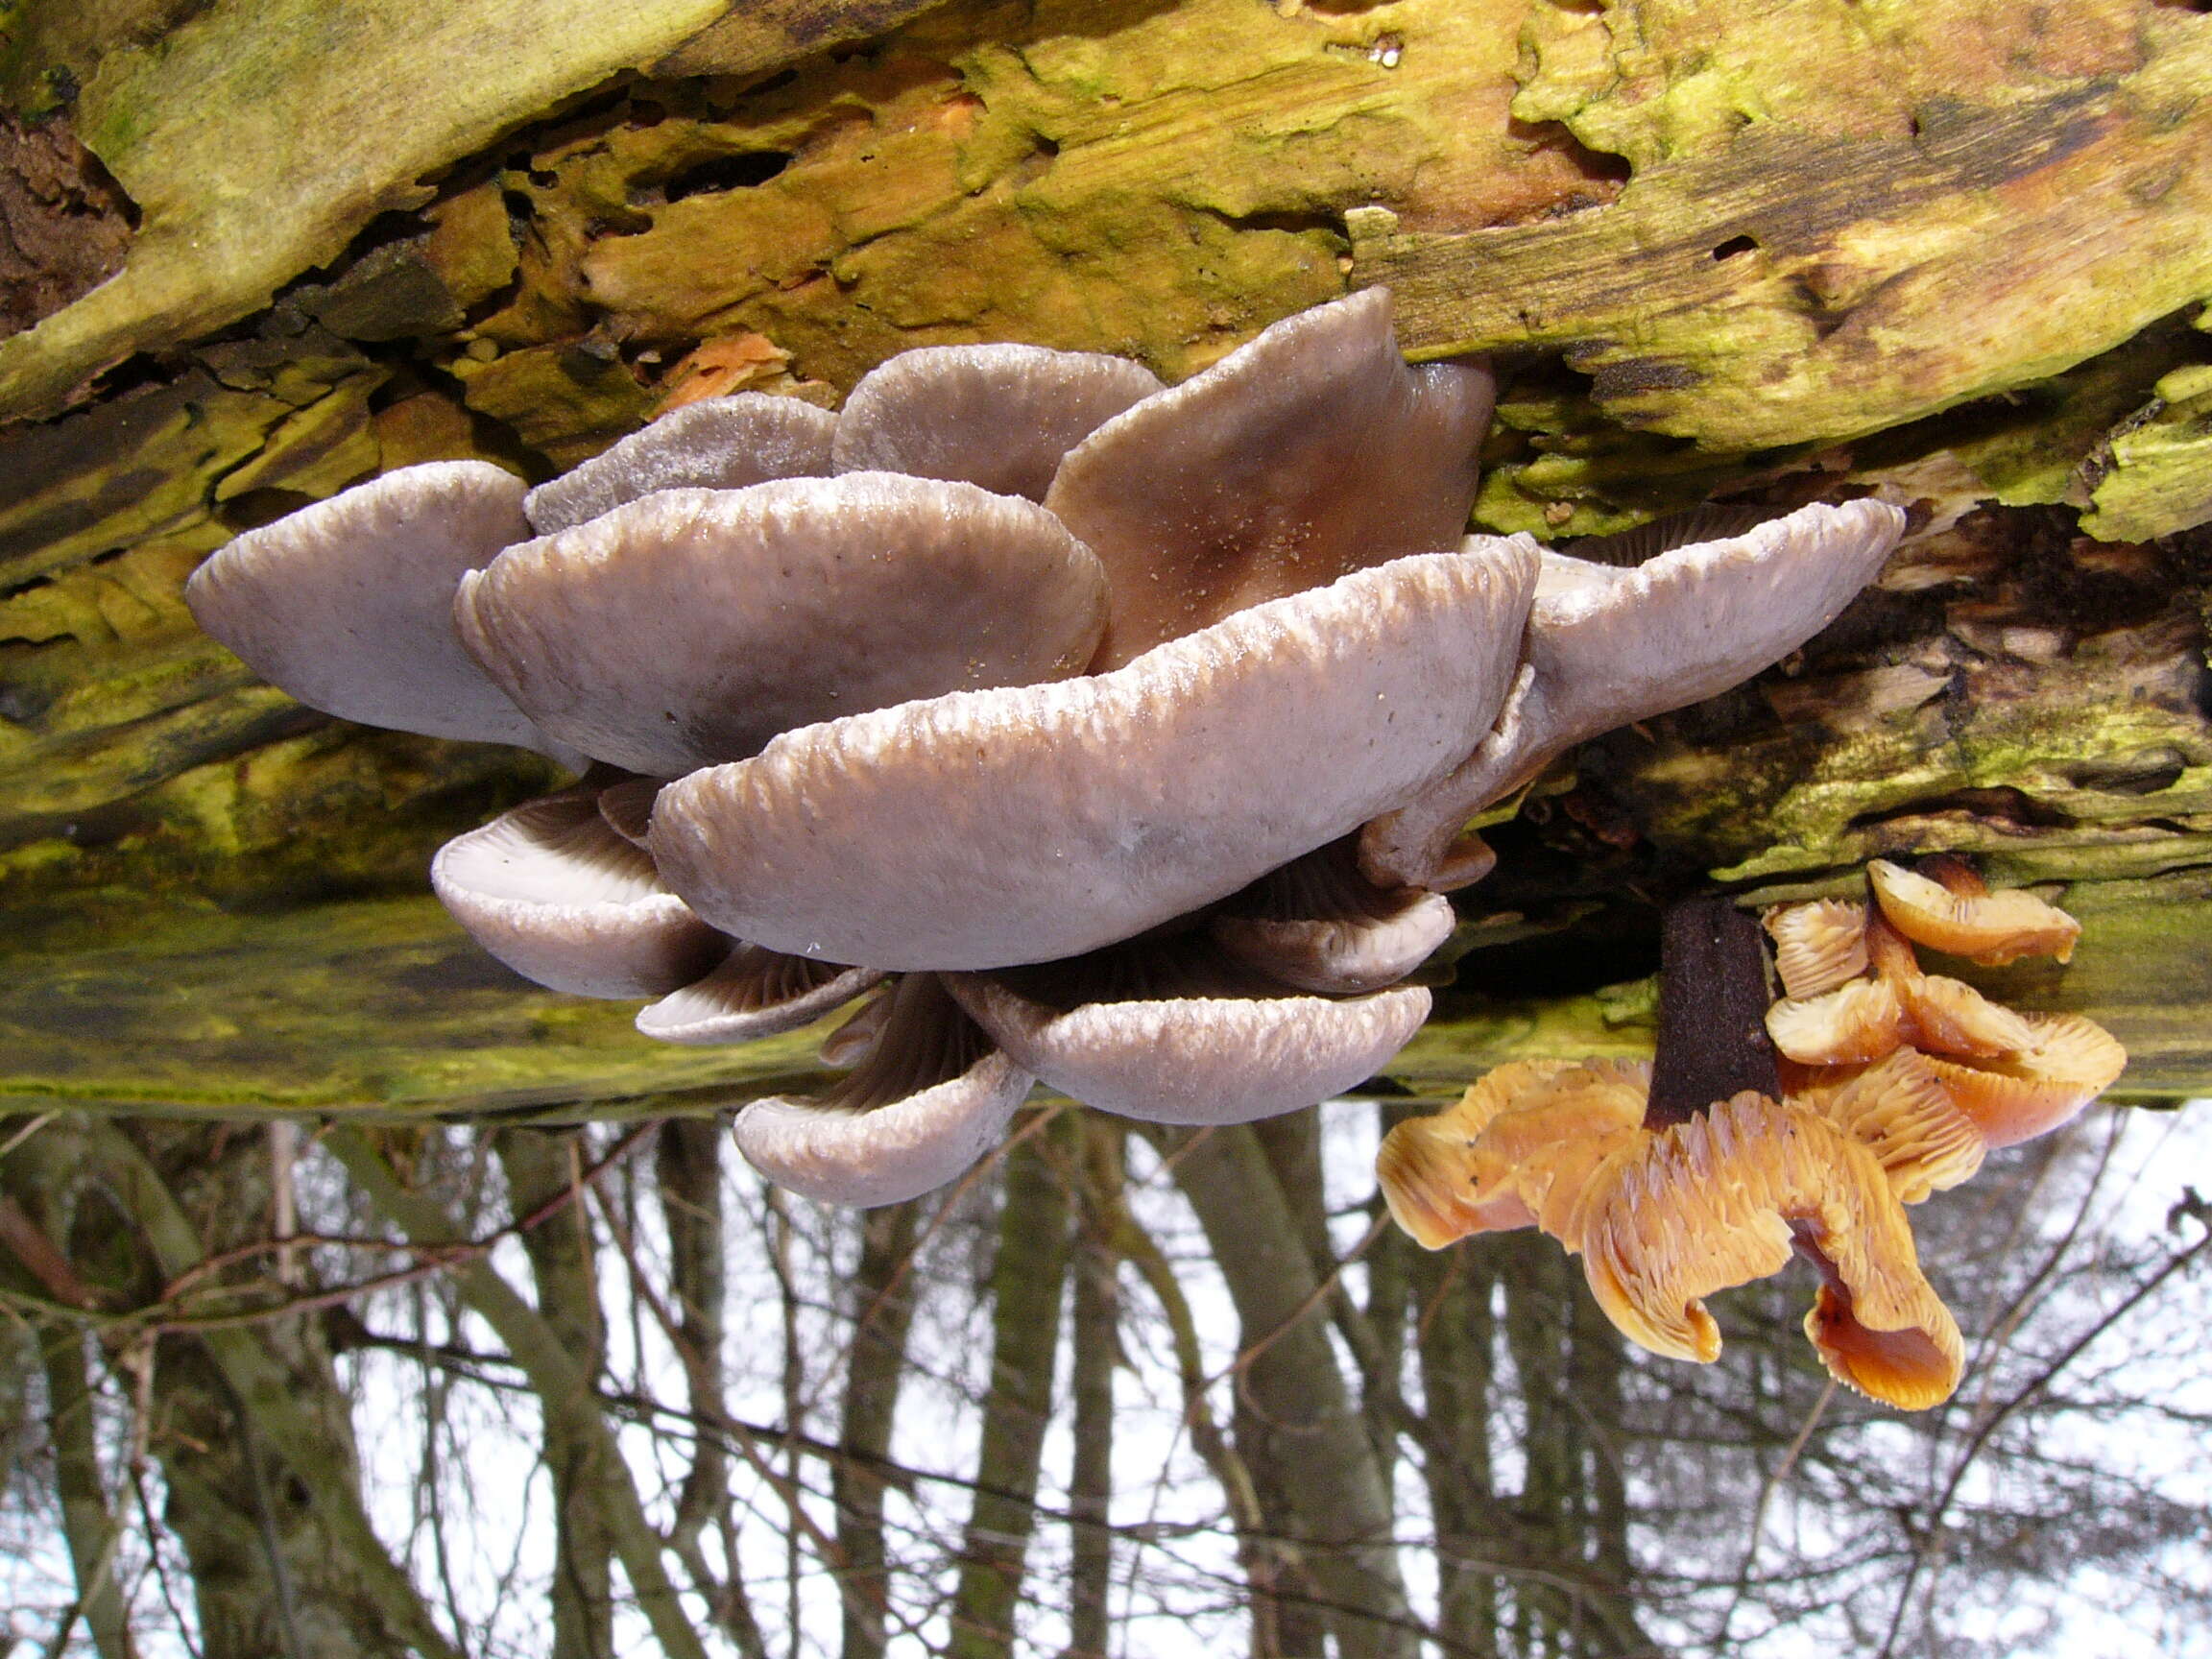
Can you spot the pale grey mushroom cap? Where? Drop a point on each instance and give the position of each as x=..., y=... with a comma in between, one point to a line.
x=553, y=892
x=690, y=626
x=1195, y=1058
x=1319, y=926
x=1609, y=647
x=718, y=444
x=1000, y=417
x=347, y=604
x=1309, y=452
x=754, y=993
x=992, y=827
x=929, y=1098
x=1693, y=622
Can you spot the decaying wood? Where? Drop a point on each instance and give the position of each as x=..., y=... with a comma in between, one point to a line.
x=1951, y=250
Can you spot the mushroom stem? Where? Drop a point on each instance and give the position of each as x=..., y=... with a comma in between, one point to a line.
x=1889, y=954
x=1713, y=999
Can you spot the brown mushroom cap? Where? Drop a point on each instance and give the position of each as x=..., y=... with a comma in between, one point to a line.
x=1614, y=646
x=718, y=444
x=992, y=827
x=348, y=604
x=928, y=1098
x=1945, y=1016
x=626, y=806
x=1000, y=417
x=692, y=625
x=754, y=993
x=550, y=890
x=1724, y=1199
x=1309, y=452
x=1992, y=928
x=1215, y=1057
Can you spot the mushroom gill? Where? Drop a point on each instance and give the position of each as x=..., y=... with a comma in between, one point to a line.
x=1817, y=946
x=1728, y=1197
x=1318, y=924
x=553, y=892
x=1664, y=1217
x=1521, y=1141
x=1898, y=1006
x=1899, y=1084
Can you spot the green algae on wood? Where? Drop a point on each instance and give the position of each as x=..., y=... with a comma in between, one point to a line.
x=379, y=1008
x=1452, y=1051
x=256, y=140
x=1839, y=216
x=381, y=1011
x=132, y=747
x=2159, y=478
x=1156, y=182
x=2009, y=687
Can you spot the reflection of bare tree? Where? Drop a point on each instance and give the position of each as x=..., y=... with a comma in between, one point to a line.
x=566, y=1392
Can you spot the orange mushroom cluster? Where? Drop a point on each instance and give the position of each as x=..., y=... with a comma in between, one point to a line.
x=1924, y=1067
x=1895, y=1084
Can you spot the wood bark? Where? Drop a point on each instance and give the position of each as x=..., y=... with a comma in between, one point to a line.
x=1724, y=255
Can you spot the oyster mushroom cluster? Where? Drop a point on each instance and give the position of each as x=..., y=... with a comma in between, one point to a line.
x=1130, y=727
x=1895, y=1084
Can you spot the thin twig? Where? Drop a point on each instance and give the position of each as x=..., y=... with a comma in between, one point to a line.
x=734, y=1434
x=26, y=1132
x=430, y=1259
x=2192, y=1207
x=1767, y=1487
